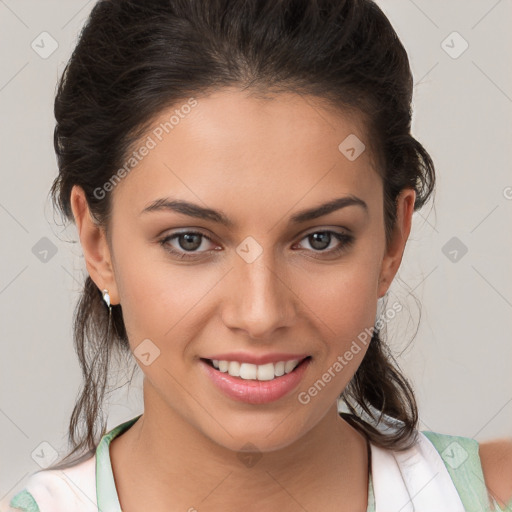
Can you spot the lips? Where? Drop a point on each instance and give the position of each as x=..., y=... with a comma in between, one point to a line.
x=253, y=391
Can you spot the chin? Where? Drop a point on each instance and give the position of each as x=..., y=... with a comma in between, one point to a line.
x=266, y=433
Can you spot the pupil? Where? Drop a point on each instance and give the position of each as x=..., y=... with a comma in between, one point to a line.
x=320, y=240
x=190, y=244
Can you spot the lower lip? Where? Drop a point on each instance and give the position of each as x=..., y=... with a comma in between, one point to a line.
x=255, y=391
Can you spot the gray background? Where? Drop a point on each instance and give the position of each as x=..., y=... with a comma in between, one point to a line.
x=460, y=359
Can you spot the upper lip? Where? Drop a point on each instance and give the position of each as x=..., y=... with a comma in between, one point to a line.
x=244, y=357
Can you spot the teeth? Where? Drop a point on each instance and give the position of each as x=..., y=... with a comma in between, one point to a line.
x=290, y=365
x=249, y=371
x=279, y=368
x=234, y=368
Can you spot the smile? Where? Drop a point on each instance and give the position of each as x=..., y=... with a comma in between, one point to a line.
x=255, y=384
x=249, y=371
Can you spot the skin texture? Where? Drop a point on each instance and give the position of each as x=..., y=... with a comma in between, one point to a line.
x=496, y=458
x=259, y=161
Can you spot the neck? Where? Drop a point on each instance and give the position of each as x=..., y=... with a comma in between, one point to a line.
x=161, y=458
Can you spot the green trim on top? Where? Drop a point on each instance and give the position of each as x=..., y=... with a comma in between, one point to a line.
x=106, y=494
x=508, y=506
x=462, y=460
x=24, y=501
x=371, y=495
x=459, y=454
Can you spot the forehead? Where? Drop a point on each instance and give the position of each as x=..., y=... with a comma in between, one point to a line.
x=259, y=153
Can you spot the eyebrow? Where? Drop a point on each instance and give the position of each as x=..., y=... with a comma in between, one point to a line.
x=194, y=210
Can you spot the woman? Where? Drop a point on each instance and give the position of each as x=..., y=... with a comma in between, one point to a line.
x=243, y=177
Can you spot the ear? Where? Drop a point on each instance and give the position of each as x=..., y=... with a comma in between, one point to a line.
x=395, y=250
x=94, y=245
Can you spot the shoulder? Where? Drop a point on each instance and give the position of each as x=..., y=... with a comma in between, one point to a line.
x=57, y=490
x=461, y=458
x=496, y=458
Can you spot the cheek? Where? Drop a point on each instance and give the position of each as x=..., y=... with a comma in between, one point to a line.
x=344, y=302
x=160, y=299
x=345, y=321
x=345, y=297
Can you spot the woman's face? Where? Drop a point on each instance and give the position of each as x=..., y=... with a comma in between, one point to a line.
x=266, y=284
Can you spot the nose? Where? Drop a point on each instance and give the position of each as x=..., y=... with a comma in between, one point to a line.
x=259, y=299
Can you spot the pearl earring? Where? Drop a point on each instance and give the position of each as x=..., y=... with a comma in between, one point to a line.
x=106, y=298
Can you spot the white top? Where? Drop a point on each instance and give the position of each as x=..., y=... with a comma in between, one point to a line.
x=414, y=480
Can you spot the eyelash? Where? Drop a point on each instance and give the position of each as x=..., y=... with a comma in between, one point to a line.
x=347, y=241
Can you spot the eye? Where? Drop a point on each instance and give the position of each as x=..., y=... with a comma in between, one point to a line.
x=188, y=241
x=321, y=240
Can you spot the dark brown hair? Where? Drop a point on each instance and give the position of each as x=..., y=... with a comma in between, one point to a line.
x=133, y=59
